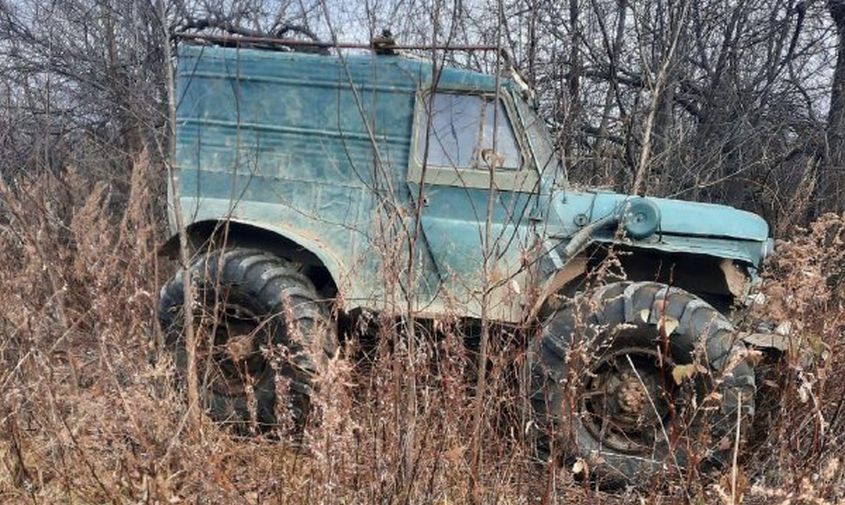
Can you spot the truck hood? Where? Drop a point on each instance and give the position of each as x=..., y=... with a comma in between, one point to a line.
x=677, y=217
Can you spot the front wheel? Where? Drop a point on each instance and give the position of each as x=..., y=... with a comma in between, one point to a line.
x=261, y=333
x=637, y=378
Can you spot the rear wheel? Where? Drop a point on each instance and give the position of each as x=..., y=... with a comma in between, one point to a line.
x=261, y=334
x=635, y=378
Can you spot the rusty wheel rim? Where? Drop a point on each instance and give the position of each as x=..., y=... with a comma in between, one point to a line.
x=624, y=407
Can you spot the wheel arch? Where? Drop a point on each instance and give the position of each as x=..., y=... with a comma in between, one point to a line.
x=319, y=264
x=722, y=282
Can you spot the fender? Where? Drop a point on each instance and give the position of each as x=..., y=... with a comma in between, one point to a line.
x=717, y=269
x=279, y=239
x=721, y=282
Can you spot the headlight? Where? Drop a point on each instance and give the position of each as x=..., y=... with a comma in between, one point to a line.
x=640, y=218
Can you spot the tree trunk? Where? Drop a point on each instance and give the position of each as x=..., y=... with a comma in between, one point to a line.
x=658, y=92
x=832, y=183
x=573, y=84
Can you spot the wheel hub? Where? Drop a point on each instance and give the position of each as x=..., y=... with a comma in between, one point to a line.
x=239, y=347
x=234, y=358
x=626, y=399
x=630, y=396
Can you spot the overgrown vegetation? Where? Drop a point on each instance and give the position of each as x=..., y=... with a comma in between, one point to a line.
x=739, y=104
x=90, y=414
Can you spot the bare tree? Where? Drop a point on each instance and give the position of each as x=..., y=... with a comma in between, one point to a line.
x=833, y=182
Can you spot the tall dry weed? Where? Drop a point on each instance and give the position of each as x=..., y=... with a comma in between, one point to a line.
x=801, y=449
x=90, y=414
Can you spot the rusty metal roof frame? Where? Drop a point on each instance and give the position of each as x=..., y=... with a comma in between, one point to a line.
x=305, y=45
x=228, y=40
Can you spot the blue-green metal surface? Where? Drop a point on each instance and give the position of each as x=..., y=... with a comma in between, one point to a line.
x=318, y=149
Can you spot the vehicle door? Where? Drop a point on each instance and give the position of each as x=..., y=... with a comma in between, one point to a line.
x=471, y=161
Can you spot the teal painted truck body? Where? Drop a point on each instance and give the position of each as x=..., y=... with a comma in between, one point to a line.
x=328, y=152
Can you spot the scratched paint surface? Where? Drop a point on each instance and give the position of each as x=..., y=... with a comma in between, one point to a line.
x=318, y=148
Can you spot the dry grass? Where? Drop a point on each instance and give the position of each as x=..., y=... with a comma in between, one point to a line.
x=90, y=416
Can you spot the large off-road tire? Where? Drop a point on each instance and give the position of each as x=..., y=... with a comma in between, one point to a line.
x=261, y=332
x=618, y=425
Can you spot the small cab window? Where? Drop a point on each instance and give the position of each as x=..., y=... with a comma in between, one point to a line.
x=462, y=132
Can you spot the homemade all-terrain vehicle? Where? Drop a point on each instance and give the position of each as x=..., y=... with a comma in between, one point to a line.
x=308, y=181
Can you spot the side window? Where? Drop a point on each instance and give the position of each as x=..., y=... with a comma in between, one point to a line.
x=462, y=132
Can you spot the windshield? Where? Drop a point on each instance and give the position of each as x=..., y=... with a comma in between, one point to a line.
x=548, y=161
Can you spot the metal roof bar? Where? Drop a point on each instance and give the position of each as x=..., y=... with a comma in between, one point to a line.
x=236, y=40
